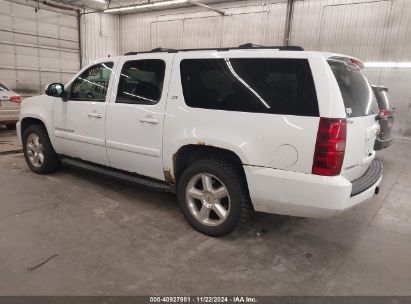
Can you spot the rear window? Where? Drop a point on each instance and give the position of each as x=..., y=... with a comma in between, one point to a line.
x=359, y=99
x=382, y=98
x=275, y=86
x=3, y=87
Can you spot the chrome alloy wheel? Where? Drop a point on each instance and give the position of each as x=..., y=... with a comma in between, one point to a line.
x=208, y=199
x=35, y=150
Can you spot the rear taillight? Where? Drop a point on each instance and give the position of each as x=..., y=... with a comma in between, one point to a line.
x=330, y=146
x=16, y=98
x=384, y=113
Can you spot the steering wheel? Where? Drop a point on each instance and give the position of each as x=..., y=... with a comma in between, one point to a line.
x=90, y=95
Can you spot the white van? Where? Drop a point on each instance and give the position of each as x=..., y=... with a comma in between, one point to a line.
x=271, y=129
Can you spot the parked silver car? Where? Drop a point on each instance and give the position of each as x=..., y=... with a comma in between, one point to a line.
x=9, y=107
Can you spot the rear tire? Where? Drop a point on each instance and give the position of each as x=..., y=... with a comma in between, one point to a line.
x=11, y=126
x=38, y=151
x=213, y=196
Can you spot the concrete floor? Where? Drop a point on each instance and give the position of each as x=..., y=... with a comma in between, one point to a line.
x=111, y=238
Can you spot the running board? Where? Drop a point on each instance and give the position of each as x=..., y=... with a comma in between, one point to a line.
x=124, y=176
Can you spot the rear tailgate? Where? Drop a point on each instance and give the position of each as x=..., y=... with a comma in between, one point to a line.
x=361, y=110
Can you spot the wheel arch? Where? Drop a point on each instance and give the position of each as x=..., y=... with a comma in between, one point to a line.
x=29, y=121
x=190, y=153
x=35, y=120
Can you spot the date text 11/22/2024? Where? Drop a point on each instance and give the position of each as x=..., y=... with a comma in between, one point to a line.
x=203, y=299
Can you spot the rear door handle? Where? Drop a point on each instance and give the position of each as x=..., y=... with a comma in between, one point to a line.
x=95, y=114
x=149, y=119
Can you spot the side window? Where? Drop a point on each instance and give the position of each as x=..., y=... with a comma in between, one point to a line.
x=141, y=81
x=266, y=85
x=92, y=84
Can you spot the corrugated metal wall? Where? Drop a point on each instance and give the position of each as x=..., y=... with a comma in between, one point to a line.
x=100, y=36
x=373, y=30
x=260, y=22
x=36, y=47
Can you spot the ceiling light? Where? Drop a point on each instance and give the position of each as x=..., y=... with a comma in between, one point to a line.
x=171, y=2
x=404, y=64
x=372, y=64
x=387, y=64
x=101, y=1
x=127, y=8
x=155, y=4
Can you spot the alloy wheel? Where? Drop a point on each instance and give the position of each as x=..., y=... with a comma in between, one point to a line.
x=208, y=199
x=35, y=150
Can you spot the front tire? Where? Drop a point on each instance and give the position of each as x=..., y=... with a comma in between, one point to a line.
x=38, y=151
x=213, y=196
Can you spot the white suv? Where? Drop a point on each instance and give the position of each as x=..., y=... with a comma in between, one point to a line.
x=278, y=130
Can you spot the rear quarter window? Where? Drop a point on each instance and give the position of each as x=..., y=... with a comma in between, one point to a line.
x=357, y=94
x=273, y=86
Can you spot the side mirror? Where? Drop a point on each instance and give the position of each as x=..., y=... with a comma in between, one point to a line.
x=55, y=90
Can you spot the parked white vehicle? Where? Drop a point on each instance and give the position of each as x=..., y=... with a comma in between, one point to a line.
x=9, y=107
x=277, y=130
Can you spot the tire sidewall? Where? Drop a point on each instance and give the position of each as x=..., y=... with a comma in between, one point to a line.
x=233, y=219
x=47, y=149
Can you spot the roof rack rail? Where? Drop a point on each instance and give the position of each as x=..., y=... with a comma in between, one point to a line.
x=156, y=50
x=280, y=47
x=240, y=47
x=161, y=49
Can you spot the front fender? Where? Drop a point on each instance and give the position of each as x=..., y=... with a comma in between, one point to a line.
x=41, y=108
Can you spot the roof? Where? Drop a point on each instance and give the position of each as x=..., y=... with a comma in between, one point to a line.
x=246, y=46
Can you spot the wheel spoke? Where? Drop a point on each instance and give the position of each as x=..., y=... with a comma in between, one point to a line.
x=207, y=182
x=195, y=193
x=204, y=213
x=37, y=141
x=220, y=193
x=35, y=159
x=41, y=158
x=30, y=146
x=220, y=210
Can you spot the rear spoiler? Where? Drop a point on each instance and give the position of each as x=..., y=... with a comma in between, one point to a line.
x=348, y=60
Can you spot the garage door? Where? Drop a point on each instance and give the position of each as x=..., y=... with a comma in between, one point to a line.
x=36, y=48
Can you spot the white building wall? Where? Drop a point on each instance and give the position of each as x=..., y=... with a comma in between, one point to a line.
x=372, y=30
x=100, y=36
x=260, y=22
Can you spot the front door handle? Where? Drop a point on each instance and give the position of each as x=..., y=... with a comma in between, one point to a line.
x=95, y=114
x=149, y=119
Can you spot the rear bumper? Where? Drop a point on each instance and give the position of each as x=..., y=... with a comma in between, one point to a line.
x=306, y=195
x=382, y=143
x=9, y=116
